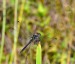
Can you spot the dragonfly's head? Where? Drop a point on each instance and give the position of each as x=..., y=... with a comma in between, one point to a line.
x=36, y=37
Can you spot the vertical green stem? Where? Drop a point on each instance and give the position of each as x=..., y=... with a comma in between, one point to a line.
x=3, y=30
x=15, y=31
x=38, y=54
x=13, y=54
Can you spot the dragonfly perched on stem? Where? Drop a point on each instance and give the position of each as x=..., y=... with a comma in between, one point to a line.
x=35, y=38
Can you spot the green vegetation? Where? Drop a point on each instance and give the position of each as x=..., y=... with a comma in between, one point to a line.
x=3, y=30
x=38, y=54
x=53, y=19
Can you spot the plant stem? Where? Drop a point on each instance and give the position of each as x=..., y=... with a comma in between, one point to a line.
x=3, y=30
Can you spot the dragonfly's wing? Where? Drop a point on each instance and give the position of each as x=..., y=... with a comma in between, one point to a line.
x=26, y=45
x=35, y=38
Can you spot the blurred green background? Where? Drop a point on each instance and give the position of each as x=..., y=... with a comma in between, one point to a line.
x=53, y=19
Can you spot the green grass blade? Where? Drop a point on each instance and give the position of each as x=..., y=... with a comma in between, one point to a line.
x=3, y=30
x=38, y=54
x=14, y=54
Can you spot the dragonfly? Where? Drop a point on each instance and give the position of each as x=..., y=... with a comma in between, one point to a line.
x=35, y=38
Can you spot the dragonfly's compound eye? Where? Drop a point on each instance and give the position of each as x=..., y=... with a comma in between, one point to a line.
x=36, y=37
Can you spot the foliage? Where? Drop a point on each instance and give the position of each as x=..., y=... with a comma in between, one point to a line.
x=38, y=54
x=53, y=19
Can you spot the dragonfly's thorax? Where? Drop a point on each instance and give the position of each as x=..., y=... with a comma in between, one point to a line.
x=36, y=37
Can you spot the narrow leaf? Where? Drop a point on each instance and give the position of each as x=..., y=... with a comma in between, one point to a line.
x=38, y=54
